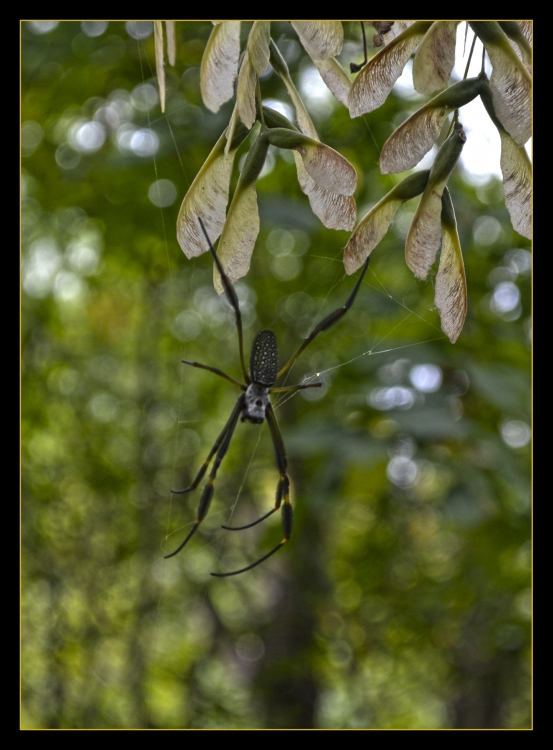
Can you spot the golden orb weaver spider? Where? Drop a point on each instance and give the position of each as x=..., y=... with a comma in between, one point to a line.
x=254, y=405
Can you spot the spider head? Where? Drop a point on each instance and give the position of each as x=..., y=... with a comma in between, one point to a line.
x=256, y=399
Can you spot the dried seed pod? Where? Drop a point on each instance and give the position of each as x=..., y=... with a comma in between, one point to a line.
x=219, y=66
x=451, y=285
x=435, y=57
x=425, y=234
x=415, y=137
x=242, y=222
x=374, y=225
x=510, y=82
x=207, y=197
x=326, y=166
x=516, y=169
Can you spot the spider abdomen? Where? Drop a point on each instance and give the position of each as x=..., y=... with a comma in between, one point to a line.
x=264, y=358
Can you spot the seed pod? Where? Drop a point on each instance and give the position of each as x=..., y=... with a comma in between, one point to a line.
x=219, y=66
x=374, y=225
x=207, y=197
x=435, y=57
x=510, y=82
x=242, y=222
x=416, y=136
x=451, y=284
x=517, y=173
x=254, y=162
x=274, y=119
x=321, y=39
x=425, y=234
x=448, y=155
x=373, y=84
x=327, y=167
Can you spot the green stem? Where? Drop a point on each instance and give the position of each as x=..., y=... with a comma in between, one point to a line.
x=260, y=104
x=470, y=57
x=456, y=115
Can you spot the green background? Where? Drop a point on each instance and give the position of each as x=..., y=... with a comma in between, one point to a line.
x=403, y=599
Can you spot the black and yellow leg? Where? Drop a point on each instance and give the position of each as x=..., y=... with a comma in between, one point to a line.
x=207, y=494
x=233, y=299
x=328, y=321
x=318, y=384
x=287, y=518
x=283, y=490
x=231, y=421
x=215, y=370
x=283, y=485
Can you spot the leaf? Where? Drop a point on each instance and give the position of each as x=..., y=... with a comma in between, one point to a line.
x=374, y=225
x=238, y=237
x=510, y=82
x=219, y=66
x=321, y=39
x=415, y=137
x=207, y=198
x=258, y=45
x=373, y=84
x=435, y=57
x=334, y=210
x=425, y=233
x=171, y=42
x=451, y=284
x=335, y=78
x=160, y=70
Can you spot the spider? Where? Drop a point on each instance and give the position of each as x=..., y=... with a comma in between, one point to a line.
x=254, y=405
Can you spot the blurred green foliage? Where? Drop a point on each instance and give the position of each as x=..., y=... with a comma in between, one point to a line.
x=403, y=599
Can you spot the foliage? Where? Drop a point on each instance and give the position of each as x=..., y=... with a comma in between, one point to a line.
x=403, y=598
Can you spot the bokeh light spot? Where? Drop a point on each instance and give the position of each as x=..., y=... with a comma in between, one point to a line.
x=67, y=157
x=515, y=434
x=87, y=137
x=250, y=647
x=402, y=471
x=31, y=136
x=426, y=378
x=94, y=28
x=42, y=27
x=162, y=193
x=139, y=29
x=505, y=298
x=144, y=97
x=144, y=142
x=187, y=325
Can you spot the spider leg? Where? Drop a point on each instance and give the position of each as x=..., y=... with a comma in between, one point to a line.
x=283, y=488
x=231, y=424
x=233, y=299
x=207, y=494
x=215, y=370
x=318, y=384
x=328, y=321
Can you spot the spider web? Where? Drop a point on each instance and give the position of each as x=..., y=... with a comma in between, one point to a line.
x=377, y=347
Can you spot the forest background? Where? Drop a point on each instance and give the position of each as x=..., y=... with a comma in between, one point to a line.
x=403, y=597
